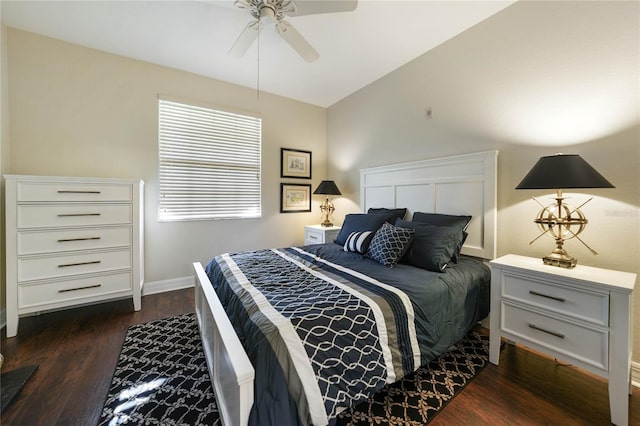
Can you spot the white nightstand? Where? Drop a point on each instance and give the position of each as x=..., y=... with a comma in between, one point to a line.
x=581, y=315
x=318, y=234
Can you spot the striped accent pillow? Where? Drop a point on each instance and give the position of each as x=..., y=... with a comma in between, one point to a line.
x=358, y=241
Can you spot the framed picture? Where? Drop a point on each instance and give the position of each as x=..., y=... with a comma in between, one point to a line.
x=295, y=197
x=295, y=163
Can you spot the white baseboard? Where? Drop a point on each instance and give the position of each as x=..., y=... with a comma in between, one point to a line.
x=154, y=287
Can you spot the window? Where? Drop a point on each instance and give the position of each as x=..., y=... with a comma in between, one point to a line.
x=209, y=163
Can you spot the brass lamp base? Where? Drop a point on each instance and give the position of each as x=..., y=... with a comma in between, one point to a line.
x=326, y=223
x=560, y=258
x=557, y=220
x=327, y=209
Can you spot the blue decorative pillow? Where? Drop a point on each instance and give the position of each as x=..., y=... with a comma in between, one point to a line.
x=433, y=247
x=397, y=213
x=358, y=241
x=389, y=244
x=358, y=222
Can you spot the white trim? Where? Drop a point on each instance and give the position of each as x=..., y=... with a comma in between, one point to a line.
x=3, y=318
x=162, y=286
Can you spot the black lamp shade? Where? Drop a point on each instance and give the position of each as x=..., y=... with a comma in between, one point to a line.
x=563, y=171
x=327, y=187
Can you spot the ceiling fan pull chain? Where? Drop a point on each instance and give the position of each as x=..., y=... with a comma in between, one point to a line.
x=258, y=70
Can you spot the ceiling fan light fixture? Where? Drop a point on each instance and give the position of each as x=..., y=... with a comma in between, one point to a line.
x=275, y=11
x=267, y=11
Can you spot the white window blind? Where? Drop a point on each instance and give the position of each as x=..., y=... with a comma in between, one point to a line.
x=209, y=163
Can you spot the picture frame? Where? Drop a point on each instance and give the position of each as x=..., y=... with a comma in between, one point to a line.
x=295, y=197
x=295, y=163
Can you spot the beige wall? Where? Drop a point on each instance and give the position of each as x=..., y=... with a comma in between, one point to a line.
x=535, y=79
x=81, y=112
x=4, y=153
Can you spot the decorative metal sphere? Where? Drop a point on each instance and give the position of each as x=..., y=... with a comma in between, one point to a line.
x=559, y=224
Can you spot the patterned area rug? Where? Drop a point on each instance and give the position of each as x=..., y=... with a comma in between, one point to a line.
x=162, y=379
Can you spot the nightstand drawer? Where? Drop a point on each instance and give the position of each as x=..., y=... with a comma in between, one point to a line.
x=36, y=242
x=585, y=305
x=313, y=237
x=575, y=341
x=70, y=191
x=36, y=268
x=317, y=234
x=34, y=295
x=66, y=215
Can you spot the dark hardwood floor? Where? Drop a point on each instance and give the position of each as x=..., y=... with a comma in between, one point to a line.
x=77, y=350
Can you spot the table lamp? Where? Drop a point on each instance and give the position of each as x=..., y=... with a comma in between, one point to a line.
x=327, y=187
x=562, y=171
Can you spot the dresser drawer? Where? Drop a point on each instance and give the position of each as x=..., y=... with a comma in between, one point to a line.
x=36, y=242
x=63, y=192
x=36, y=268
x=584, y=305
x=35, y=295
x=49, y=216
x=575, y=341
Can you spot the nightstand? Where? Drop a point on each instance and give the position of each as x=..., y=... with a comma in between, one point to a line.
x=318, y=234
x=580, y=315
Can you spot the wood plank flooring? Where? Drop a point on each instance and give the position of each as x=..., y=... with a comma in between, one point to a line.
x=77, y=350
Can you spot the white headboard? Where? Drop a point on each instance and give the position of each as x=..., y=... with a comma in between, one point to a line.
x=459, y=185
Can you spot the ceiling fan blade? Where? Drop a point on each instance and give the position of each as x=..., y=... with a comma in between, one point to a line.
x=296, y=41
x=246, y=39
x=313, y=7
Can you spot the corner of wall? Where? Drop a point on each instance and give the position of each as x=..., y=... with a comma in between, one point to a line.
x=4, y=156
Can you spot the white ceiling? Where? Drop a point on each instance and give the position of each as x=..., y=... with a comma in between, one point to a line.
x=356, y=48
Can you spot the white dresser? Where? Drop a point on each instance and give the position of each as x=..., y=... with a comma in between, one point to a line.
x=580, y=315
x=318, y=234
x=71, y=241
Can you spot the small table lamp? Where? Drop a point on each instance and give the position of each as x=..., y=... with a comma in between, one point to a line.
x=557, y=172
x=327, y=187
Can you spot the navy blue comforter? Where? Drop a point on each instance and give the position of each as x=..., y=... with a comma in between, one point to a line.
x=325, y=329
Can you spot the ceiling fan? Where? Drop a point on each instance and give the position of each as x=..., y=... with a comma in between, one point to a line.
x=274, y=11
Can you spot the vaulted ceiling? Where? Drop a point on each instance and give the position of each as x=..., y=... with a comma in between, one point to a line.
x=355, y=48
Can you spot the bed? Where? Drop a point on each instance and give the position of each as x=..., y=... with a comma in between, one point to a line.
x=283, y=354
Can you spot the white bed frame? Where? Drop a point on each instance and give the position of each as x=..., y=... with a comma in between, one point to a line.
x=464, y=184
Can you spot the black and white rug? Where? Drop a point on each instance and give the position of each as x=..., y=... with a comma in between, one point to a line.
x=162, y=379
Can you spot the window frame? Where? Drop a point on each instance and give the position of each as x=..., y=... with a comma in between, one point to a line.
x=204, y=154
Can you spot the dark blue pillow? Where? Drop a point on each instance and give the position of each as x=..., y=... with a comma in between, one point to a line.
x=433, y=247
x=397, y=213
x=437, y=219
x=358, y=222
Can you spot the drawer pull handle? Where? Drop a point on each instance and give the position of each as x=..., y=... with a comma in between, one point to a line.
x=80, y=263
x=65, y=240
x=80, y=288
x=313, y=237
x=78, y=214
x=557, y=299
x=553, y=333
x=77, y=192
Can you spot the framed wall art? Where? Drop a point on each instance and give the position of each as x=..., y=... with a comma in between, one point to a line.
x=295, y=197
x=295, y=163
